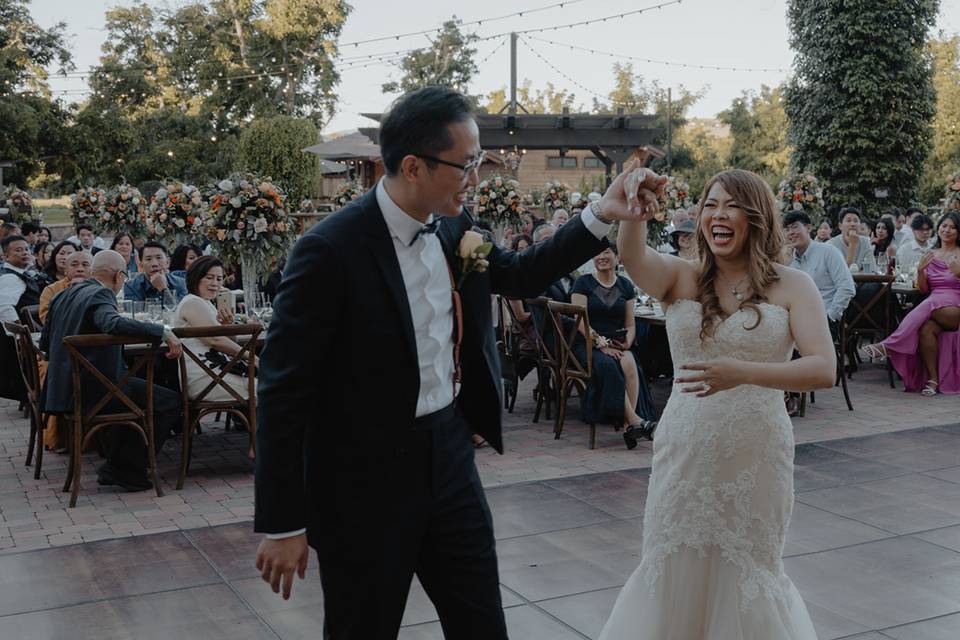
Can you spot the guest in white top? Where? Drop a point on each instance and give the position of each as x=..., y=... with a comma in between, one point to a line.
x=196, y=309
x=913, y=248
x=856, y=248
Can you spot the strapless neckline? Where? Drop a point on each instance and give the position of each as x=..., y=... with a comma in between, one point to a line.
x=722, y=320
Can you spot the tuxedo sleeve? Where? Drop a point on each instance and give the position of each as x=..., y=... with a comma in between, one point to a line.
x=528, y=273
x=291, y=381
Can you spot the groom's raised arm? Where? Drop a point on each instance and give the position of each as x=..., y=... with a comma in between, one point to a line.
x=292, y=384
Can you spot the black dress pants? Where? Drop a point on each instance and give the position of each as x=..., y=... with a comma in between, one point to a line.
x=432, y=520
x=125, y=448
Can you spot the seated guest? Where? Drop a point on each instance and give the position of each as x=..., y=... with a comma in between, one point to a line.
x=45, y=234
x=543, y=232
x=526, y=224
x=855, y=248
x=684, y=241
x=41, y=255
x=883, y=244
x=19, y=287
x=617, y=391
x=921, y=350
x=123, y=244
x=154, y=282
x=9, y=229
x=31, y=231
x=90, y=307
x=901, y=224
x=824, y=230
x=79, y=264
x=560, y=218
x=56, y=267
x=913, y=247
x=183, y=256
x=197, y=309
x=823, y=263
x=521, y=242
x=87, y=239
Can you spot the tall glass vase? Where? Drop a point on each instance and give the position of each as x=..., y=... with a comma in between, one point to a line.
x=248, y=272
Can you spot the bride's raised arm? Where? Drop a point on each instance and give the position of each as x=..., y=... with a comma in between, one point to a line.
x=632, y=199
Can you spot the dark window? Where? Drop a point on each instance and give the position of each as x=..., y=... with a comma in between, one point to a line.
x=561, y=162
x=592, y=163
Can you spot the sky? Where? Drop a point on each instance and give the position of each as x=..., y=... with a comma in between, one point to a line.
x=725, y=33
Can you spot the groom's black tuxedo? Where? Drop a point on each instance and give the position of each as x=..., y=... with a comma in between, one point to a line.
x=339, y=449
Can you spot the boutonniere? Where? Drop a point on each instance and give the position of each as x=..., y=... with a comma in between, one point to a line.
x=473, y=252
x=599, y=341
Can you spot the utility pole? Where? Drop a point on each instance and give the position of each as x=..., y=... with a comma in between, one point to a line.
x=513, y=73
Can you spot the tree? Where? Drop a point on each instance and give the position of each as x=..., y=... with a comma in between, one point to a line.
x=549, y=100
x=699, y=154
x=944, y=158
x=448, y=61
x=758, y=126
x=274, y=147
x=861, y=100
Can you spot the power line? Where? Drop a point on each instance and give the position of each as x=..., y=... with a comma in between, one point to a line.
x=582, y=23
x=495, y=49
x=685, y=65
x=515, y=14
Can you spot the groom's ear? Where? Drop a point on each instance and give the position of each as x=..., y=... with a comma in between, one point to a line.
x=411, y=168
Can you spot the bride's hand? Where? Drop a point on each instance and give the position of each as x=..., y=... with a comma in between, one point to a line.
x=711, y=376
x=633, y=194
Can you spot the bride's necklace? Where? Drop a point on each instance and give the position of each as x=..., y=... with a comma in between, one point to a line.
x=735, y=289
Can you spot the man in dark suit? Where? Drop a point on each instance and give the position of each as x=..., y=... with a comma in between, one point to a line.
x=91, y=307
x=363, y=438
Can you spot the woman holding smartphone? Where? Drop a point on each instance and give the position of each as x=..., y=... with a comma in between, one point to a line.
x=617, y=391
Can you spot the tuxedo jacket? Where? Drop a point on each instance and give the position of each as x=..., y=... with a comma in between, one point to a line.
x=339, y=377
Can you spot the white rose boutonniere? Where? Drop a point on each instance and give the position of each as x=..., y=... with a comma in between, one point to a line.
x=473, y=252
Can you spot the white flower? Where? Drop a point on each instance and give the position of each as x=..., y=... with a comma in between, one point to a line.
x=236, y=235
x=180, y=223
x=501, y=208
x=235, y=202
x=470, y=242
x=225, y=185
x=195, y=198
x=260, y=225
x=161, y=194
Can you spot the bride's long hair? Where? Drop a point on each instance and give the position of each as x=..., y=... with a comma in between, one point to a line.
x=764, y=245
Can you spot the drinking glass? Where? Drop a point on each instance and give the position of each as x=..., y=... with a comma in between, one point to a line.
x=127, y=308
x=154, y=311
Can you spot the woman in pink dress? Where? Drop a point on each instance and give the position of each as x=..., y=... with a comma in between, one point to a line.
x=925, y=348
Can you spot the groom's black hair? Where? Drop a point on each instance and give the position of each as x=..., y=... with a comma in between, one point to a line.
x=417, y=124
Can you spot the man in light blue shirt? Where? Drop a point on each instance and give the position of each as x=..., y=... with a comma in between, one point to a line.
x=855, y=249
x=822, y=262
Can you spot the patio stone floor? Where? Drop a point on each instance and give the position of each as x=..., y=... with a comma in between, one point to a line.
x=874, y=544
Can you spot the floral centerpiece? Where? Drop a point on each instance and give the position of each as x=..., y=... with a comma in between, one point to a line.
x=85, y=205
x=307, y=206
x=124, y=211
x=176, y=213
x=801, y=191
x=953, y=192
x=498, y=202
x=248, y=224
x=18, y=202
x=676, y=196
x=347, y=192
x=556, y=195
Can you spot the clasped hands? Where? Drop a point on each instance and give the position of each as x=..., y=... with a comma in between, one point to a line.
x=633, y=195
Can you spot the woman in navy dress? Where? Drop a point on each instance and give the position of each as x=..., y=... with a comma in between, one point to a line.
x=617, y=391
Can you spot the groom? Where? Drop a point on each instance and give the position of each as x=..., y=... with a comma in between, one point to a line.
x=363, y=439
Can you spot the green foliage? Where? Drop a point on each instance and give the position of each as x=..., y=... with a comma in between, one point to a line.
x=274, y=147
x=944, y=158
x=758, y=127
x=861, y=100
x=699, y=154
x=549, y=100
x=448, y=61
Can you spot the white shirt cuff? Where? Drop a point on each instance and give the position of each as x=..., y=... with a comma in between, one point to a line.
x=596, y=227
x=288, y=534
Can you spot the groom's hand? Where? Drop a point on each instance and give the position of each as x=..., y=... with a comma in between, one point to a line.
x=278, y=559
x=633, y=194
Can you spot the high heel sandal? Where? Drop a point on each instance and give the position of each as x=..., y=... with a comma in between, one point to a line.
x=872, y=352
x=930, y=389
x=636, y=431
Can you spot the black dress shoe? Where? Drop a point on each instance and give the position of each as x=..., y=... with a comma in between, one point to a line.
x=109, y=476
x=630, y=437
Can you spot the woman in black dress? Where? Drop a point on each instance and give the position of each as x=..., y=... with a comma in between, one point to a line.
x=617, y=391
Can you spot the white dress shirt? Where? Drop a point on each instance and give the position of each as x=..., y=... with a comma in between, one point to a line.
x=426, y=278
x=11, y=288
x=910, y=252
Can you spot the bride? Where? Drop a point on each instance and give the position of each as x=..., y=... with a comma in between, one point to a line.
x=721, y=488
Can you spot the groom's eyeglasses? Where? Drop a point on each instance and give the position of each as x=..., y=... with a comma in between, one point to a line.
x=471, y=166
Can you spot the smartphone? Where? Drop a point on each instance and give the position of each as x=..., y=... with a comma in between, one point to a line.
x=226, y=299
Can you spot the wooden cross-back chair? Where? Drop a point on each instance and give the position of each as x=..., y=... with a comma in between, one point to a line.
x=547, y=362
x=84, y=424
x=30, y=372
x=572, y=372
x=859, y=319
x=242, y=408
x=30, y=317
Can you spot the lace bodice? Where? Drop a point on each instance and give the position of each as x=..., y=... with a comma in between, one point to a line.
x=723, y=465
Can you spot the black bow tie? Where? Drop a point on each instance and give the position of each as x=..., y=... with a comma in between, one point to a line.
x=430, y=227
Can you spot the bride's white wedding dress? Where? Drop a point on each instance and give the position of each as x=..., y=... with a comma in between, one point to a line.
x=719, y=502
